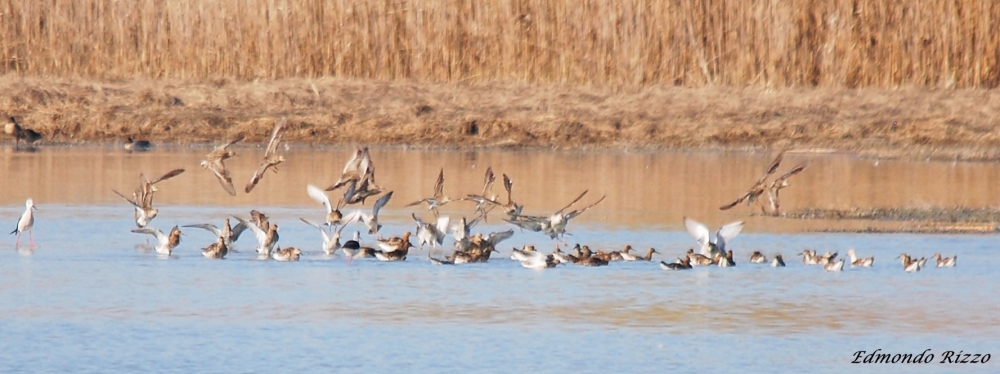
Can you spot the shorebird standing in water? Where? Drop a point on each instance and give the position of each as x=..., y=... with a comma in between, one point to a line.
x=945, y=262
x=214, y=162
x=271, y=156
x=228, y=233
x=265, y=231
x=165, y=243
x=286, y=254
x=681, y=264
x=394, y=249
x=25, y=223
x=216, y=250
x=778, y=261
x=866, y=262
x=910, y=265
x=834, y=266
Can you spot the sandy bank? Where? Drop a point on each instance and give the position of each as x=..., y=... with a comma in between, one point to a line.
x=942, y=123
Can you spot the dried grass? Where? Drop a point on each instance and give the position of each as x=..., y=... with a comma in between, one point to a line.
x=827, y=43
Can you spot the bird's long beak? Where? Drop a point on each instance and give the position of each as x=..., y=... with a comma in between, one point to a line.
x=33, y=207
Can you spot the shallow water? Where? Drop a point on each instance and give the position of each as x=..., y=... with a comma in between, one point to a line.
x=88, y=299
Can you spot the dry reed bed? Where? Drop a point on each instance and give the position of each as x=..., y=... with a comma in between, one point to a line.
x=837, y=43
x=936, y=123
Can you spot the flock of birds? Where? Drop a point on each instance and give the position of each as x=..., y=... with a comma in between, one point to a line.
x=357, y=180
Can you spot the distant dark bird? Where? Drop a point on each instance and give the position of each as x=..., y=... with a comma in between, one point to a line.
x=133, y=145
x=28, y=135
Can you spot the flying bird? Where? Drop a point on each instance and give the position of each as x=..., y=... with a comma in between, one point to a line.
x=142, y=197
x=439, y=199
x=271, y=156
x=214, y=162
x=761, y=186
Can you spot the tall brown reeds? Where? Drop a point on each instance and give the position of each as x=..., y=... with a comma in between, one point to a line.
x=935, y=43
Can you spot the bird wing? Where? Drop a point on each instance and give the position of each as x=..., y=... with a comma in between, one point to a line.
x=442, y=224
x=238, y=230
x=130, y=201
x=380, y=203
x=326, y=237
x=317, y=194
x=736, y=202
x=258, y=175
x=783, y=177
x=260, y=234
x=171, y=174
x=697, y=230
x=577, y=212
x=352, y=217
x=439, y=185
x=726, y=233
x=488, y=181
x=219, y=169
x=272, y=145
x=573, y=202
x=418, y=202
x=234, y=141
x=162, y=239
x=420, y=222
x=529, y=222
x=507, y=185
x=260, y=220
x=774, y=165
x=476, y=220
x=367, y=165
x=497, y=237
x=207, y=226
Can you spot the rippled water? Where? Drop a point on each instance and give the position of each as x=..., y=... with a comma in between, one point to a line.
x=88, y=299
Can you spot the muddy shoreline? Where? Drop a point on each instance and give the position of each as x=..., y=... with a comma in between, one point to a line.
x=926, y=220
x=907, y=123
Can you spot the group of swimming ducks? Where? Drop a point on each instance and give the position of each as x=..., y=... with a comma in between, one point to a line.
x=357, y=180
